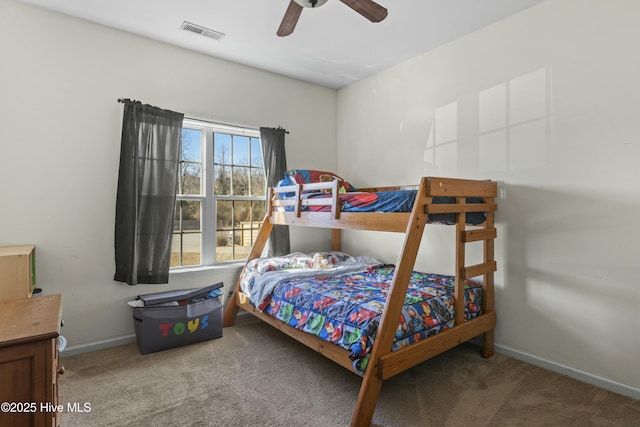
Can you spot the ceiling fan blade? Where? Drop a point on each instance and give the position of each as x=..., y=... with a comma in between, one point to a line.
x=367, y=8
x=290, y=19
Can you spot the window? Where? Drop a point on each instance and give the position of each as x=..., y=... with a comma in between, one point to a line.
x=221, y=196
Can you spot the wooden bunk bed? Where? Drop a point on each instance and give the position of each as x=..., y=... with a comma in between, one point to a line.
x=383, y=362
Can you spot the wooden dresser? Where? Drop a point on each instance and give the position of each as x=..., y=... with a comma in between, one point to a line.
x=29, y=367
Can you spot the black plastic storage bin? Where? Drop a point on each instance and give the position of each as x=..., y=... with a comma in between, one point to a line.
x=177, y=318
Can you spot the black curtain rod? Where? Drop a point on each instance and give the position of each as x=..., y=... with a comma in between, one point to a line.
x=123, y=100
x=229, y=124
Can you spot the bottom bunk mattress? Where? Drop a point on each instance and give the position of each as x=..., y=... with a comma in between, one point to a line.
x=343, y=304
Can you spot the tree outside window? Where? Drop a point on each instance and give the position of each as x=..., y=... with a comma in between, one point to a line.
x=217, y=219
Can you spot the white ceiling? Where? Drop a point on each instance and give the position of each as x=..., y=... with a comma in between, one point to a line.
x=332, y=45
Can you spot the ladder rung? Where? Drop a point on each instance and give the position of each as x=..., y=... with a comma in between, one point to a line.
x=480, y=269
x=476, y=235
x=436, y=208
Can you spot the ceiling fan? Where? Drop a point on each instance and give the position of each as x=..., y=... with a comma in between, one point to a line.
x=367, y=8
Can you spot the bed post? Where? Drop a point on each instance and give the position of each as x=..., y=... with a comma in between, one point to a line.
x=460, y=268
x=231, y=309
x=488, y=280
x=372, y=382
x=336, y=239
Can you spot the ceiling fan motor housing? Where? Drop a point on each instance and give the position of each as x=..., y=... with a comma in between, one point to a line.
x=310, y=3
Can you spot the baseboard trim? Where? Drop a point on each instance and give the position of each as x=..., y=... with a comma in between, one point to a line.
x=94, y=346
x=243, y=316
x=577, y=374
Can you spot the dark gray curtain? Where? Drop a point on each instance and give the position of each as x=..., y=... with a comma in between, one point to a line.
x=275, y=165
x=147, y=188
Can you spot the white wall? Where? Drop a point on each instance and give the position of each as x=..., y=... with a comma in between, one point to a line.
x=546, y=103
x=60, y=79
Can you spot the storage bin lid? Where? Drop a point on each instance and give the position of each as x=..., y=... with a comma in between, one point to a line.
x=168, y=296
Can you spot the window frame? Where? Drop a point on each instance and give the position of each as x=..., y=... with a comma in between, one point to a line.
x=207, y=197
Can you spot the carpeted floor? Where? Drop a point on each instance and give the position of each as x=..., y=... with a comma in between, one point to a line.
x=257, y=376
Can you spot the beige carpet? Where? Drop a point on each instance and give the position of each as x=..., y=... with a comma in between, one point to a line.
x=257, y=376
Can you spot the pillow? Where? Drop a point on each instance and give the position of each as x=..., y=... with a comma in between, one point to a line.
x=306, y=176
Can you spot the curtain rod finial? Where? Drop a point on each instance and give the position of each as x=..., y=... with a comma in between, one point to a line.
x=125, y=100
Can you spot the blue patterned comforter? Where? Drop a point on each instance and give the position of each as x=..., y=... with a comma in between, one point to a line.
x=345, y=308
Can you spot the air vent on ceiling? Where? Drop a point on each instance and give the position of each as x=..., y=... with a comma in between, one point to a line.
x=188, y=26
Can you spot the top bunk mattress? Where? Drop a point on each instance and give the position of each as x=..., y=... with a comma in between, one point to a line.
x=387, y=201
x=393, y=201
x=351, y=200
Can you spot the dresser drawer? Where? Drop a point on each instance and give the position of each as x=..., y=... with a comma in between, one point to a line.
x=29, y=361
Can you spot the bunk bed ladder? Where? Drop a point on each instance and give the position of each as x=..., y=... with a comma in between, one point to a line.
x=485, y=269
x=461, y=227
